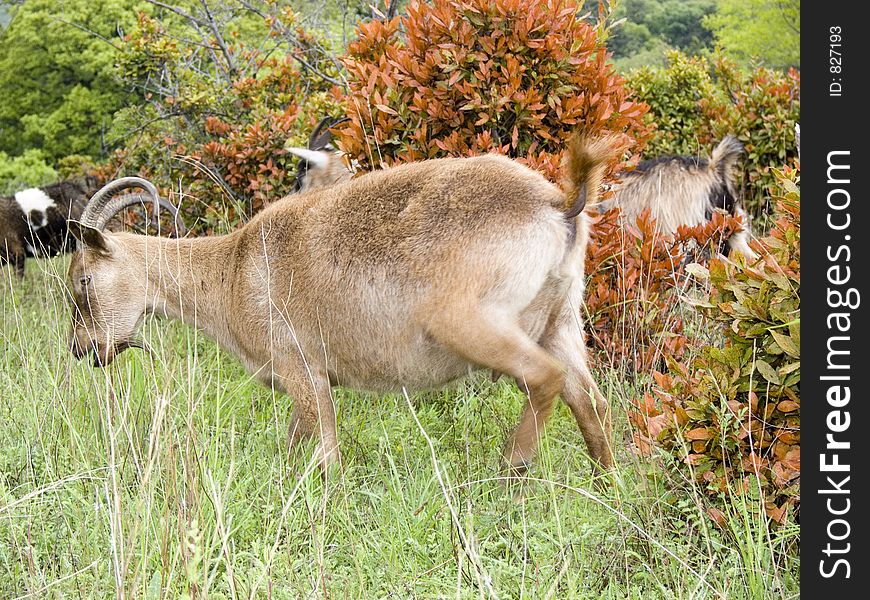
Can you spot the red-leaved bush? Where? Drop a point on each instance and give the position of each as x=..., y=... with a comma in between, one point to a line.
x=465, y=77
x=635, y=276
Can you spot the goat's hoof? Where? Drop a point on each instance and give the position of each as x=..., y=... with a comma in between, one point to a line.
x=328, y=461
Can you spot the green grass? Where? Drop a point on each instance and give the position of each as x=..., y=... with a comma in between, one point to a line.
x=168, y=476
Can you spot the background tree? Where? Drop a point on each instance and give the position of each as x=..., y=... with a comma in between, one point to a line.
x=767, y=30
x=652, y=26
x=58, y=89
x=25, y=170
x=227, y=86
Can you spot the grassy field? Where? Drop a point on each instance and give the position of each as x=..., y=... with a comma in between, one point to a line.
x=168, y=477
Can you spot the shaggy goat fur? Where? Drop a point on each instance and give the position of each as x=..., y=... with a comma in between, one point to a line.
x=683, y=190
x=405, y=278
x=15, y=236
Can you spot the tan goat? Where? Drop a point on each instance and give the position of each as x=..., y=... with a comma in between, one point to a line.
x=406, y=278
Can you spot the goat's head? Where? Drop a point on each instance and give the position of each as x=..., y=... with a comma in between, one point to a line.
x=105, y=279
x=321, y=164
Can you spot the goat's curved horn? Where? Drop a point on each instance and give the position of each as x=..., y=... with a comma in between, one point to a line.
x=321, y=137
x=103, y=206
x=314, y=139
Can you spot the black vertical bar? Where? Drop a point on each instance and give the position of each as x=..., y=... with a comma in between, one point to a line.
x=834, y=235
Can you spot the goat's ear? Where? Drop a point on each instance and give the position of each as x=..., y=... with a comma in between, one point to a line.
x=315, y=158
x=91, y=237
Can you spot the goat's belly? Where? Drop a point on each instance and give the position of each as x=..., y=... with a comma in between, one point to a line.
x=405, y=356
x=382, y=367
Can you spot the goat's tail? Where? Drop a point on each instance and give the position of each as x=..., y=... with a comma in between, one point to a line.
x=725, y=157
x=583, y=170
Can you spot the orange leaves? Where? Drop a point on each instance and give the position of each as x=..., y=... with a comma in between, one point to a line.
x=510, y=76
x=700, y=434
x=634, y=314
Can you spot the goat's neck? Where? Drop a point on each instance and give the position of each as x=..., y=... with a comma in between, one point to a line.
x=188, y=279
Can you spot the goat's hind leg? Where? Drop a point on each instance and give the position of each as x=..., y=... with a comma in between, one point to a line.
x=498, y=342
x=564, y=339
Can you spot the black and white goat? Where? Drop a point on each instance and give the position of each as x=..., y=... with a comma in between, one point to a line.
x=685, y=190
x=35, y=222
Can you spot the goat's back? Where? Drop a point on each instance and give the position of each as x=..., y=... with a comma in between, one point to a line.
x=414, y=213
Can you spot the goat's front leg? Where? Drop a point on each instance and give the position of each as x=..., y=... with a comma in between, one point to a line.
x=313, y=410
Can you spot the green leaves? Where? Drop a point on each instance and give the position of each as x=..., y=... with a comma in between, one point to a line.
x=58, y=89
x=217, y=121
x=27, y=170
x=759, y=30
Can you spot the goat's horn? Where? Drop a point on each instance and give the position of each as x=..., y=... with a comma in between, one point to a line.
x=314, y=138
x=102, y=206
x=321, y=136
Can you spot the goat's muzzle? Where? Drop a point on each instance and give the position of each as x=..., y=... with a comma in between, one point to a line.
x=77, y=349
x=103, y=356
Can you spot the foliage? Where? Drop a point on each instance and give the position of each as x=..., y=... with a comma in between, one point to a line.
x=765, y=30
x=652, y=23
x=694, y=105
x=26, y=170
x=464, y=77
x=218, y=122
x=75, y=165
x=634, y=277
x=764, y=106
x=732, y=415
x=57, y=86
x=674, y=94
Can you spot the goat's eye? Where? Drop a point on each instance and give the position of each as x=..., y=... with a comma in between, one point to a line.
x=84, y=281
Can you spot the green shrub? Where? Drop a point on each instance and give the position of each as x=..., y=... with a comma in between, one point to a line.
x=674, y=94
x=764, y=107
x=27, y=170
